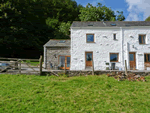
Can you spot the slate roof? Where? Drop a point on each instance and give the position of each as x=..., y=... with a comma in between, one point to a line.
x=58, y=43
x=108, y=23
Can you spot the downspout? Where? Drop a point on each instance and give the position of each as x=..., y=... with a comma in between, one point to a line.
x=122, y=42
x=45, y=61
x=127, y=56
x=71, y=48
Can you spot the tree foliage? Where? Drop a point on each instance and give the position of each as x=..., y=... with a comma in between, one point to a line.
x=99, y=13
x=64, y=27
x=147, y=19
x=26, y=25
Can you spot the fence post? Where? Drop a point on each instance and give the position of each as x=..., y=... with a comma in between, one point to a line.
x=65, y=69
x=19, y=66
x=92, y=67
x=16, y=64
x=40, y=60
x=126, y=68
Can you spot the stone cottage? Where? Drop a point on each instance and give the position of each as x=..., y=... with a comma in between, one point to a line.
x=57, y=54
x=107, y=44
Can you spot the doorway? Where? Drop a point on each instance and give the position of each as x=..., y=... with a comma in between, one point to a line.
x=132, y=60
x=64, y=61
x=88, y=59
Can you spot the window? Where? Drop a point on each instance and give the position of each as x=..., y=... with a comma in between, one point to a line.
x=114, y=36
x=131, y=57
x=113, y=24
x=147, y=58
x=142, y=39
x=64, y=61
x=90, y=38
x=114, y=57
x=62, y=41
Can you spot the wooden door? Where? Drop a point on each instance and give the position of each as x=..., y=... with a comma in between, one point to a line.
x=67, y=62
x=64, y=61
x=88, y=58
x=132, y=60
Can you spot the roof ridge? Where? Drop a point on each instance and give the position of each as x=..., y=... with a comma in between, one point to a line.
x=59, y=39
x=111, y=21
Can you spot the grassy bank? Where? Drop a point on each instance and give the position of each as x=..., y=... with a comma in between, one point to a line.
x=43, y=94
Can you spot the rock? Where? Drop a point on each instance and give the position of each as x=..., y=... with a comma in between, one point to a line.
x=120, y=79
x=108, y=75
x=137, y=76
x=115, y=77
x=142, y=78
x=130, y=78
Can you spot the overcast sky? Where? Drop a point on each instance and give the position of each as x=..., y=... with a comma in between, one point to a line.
x=133, y=10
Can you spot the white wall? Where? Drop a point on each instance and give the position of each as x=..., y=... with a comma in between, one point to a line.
x=140, y=49
x=104, y=46
x=101, y=48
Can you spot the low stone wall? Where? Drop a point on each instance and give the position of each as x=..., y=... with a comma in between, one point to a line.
x=84, y=73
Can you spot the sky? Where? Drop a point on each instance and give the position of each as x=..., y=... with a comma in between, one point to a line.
x=133, y=10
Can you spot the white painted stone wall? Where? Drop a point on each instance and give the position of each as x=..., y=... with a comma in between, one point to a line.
x=103, y=46
x=139, y=49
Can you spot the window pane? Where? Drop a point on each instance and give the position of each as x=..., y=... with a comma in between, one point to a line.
x=140, y=39
x=131, y=56
x=68, y=61
x=145, y=57
x=143, y=39
x=113, y=57
x=114, y=36
x=62, y=61
x=88, y=56
x=148, y=57
x=90, y=38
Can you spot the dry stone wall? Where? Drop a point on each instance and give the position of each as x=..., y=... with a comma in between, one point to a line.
x=85, y=73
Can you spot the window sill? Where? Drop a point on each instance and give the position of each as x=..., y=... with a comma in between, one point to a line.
x=115, y=39
x=114, y=62
x=90, y=42
x=143, y=44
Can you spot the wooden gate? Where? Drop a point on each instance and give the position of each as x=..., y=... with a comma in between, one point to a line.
x=21, y=66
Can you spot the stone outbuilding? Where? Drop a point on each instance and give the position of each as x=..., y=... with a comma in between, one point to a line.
x=57, y=54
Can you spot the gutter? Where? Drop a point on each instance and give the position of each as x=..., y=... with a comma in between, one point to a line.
x=56, y=46
x=45, y=55
x=117, y=27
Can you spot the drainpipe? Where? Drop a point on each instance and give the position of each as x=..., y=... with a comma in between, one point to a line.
x=122, y=42
x=71, y=48
x=127, y=55
x=45, y=61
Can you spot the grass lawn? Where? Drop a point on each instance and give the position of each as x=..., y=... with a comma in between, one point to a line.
x=48, y=94
x=31, y=63
x=34, y=63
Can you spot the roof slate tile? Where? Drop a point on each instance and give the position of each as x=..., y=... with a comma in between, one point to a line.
x=108, y=23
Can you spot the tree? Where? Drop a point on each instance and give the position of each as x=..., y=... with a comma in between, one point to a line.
x=99, y=13
x=26, y=25
x=147, y=19
x=64, y=28
x=120, y=16
x=20, y=31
